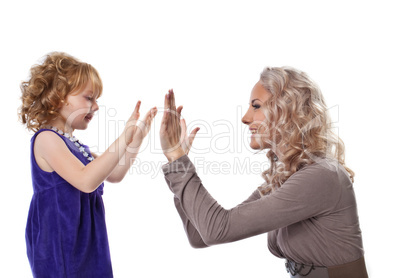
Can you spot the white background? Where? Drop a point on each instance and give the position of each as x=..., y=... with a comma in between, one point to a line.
x=211, y=53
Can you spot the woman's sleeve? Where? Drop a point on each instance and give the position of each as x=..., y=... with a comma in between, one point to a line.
x=307, y=193
x=193, y=235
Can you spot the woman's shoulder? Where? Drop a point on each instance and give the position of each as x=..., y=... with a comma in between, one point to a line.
x=325, y=172
x=325, y=165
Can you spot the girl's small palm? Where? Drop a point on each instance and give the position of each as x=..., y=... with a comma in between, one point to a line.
x=135, y=129
x=143, y=127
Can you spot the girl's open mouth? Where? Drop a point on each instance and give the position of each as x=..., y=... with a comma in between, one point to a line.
x=89, y=117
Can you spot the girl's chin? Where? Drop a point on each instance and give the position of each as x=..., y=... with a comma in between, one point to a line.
x=80, y=126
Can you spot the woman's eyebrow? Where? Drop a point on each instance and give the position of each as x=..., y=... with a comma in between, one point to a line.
x=252, y=102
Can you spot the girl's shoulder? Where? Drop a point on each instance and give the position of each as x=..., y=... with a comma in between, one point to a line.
x=46, y=138
x=46, y=141
x=46, y=131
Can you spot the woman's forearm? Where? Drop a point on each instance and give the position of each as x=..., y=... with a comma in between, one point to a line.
x=193, y=235
x=203, y=218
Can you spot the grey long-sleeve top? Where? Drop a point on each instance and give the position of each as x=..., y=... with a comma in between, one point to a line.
x=312, y=218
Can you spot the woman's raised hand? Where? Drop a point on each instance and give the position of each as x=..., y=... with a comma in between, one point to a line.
x=186, y=140
x=173, y=133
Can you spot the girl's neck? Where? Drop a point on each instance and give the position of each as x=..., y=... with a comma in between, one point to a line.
x=60, y=125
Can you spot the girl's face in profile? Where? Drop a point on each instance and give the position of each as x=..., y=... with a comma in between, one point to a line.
x=255, y=117
x=80, y=108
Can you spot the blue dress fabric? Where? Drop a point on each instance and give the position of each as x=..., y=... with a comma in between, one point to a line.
x=66, y=231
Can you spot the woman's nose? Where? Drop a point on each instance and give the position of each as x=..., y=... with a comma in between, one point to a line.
x=247, y=118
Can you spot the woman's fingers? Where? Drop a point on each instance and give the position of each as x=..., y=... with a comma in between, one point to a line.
x=171, y=116
x=172, y=101
x=179, y=109
x=192, y=135
x=171, y=109
x=187, y=140
x=175, y=114
x=165, y=113
x=183, y=126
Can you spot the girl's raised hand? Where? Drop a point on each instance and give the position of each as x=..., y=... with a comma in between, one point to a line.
x=135, y=129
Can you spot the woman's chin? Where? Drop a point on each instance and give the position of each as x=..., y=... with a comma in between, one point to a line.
x=255, y=144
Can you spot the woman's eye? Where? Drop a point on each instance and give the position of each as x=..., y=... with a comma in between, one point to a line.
x=256, y=106
x=89, y=98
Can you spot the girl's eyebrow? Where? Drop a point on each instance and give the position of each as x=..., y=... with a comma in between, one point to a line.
x=89, y=92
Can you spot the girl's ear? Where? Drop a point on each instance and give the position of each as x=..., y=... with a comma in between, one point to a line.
x=63, y=102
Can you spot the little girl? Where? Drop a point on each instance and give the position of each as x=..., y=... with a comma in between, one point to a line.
x=66, y=231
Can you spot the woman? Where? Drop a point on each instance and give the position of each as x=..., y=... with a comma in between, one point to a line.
x=307, y=203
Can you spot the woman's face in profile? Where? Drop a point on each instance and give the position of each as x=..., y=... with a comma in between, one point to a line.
x=255, y=117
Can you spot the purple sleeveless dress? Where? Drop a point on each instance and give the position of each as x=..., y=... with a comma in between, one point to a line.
x=66, y=231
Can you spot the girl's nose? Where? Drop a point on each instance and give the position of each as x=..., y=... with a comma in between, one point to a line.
x=95, y=106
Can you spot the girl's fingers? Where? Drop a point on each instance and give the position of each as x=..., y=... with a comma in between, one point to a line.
x=136, y=113
x=154, y=111
x=146, y=123
x=137, y=106
x=150, y=115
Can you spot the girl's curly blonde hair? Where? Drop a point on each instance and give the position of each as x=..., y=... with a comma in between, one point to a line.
x=297, y=124
x=50, y=83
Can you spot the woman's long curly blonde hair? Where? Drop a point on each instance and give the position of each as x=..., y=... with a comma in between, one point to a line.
x=49, y=85
x=297, y=124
